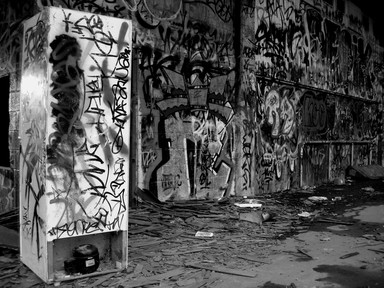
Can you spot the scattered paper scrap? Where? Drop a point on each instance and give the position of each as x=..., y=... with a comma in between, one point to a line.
x=317, y=198
x=304, y=214
x=203, y=234
x=325, y=239
x=249, y=205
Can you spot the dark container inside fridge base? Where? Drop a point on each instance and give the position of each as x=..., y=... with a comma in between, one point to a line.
x=84, y=260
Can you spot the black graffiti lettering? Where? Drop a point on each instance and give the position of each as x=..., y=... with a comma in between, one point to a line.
x=118, y=108
x=123, y=64
x=205, y=164
x=119, y=89
x=91, y=172
x=96, y=184
x=67, y=21
x=103, y=42
x=109, y=7
x=76, y=228
x=88, y=24
x=101, y=216
x=247, y=153
x=94, y=105
x=94, y=85
x=118, y=141
x=119, y=173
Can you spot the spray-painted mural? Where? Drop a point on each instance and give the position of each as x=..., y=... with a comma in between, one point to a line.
x=186, y=93
x=298, y=61
x=11, y=15
x=297, y=41
x=201, y=137
x=33, y=125
x=217, y=116
x=278, y=135
x=186, y=98
x=75, y=114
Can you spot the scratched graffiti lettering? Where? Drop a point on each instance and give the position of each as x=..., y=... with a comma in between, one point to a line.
x=35, y=41
x=32, y=164
x=170, y=181
x=11, y=42
x=148, y=158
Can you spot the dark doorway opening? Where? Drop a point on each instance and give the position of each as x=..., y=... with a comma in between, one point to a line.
x=4, y=112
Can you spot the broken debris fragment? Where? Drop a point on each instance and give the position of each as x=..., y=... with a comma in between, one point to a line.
x=317, y=198
x=203, y=234
x=349, y=255
x=254, y=217
x=368, y=189
x=304, y=214
x=249, y=205
x=222, y=269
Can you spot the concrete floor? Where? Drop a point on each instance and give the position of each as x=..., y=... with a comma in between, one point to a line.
x=326, y=244
x=348, y=254
x=325, y=269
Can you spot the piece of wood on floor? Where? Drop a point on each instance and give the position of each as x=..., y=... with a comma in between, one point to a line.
x=349, y=255
x=253, y=258
x=142, y=281
x=139, y=267
x=302, y=251
x=204, y=283
x=376, y=250
x=222, y=270
x=101, y=280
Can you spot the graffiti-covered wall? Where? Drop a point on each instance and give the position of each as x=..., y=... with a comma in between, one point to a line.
x=310, y=73
x=11, y=15
x=315, y=70
x=186, y=102
x=247, y=97
x=74, y=128
x=316, y=44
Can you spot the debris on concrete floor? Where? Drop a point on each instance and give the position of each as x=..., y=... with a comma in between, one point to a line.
x=194, y=243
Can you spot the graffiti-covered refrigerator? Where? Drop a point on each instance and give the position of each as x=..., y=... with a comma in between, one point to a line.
x=74, y=134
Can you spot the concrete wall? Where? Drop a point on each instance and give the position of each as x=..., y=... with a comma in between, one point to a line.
x=186, y=100
x=312, y=76
x=247, y=97
x=11, y=15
